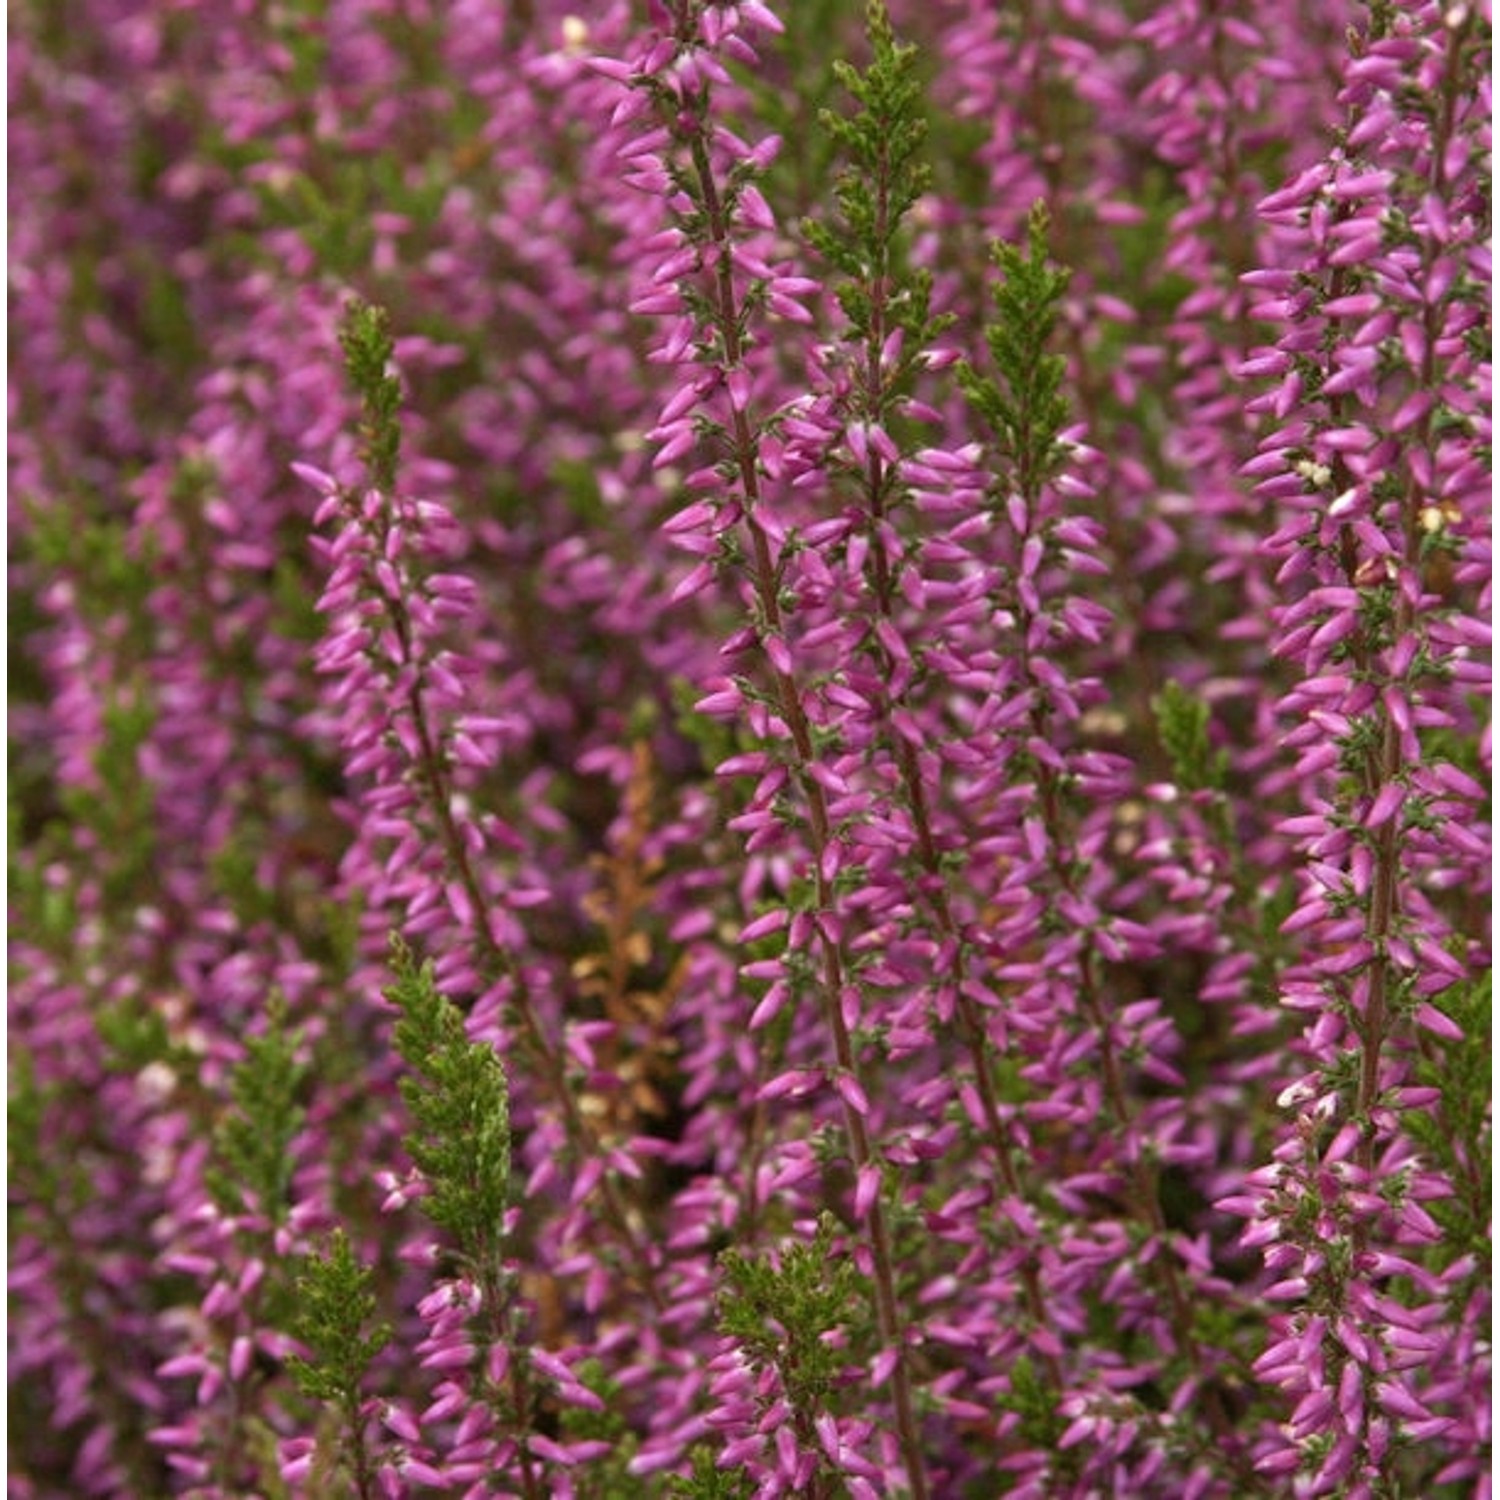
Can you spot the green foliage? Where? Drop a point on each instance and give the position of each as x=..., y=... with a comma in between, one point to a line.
x=1025, y=407
x=883, y=143
x=1137, y=258
x=460, y=1110
x=709, y=1482
x=29, y=1166
x=121, y=811
x=301, y=27
x=334, y=1306
x=234, y=866
x=1461, y=747
x=578, y=483
x=715, y=740
x=26, y=620
x=332, y=207
x=782, y=1314
x=44, y=908
x=1456, y=1136
x=297, y=617
x=331, y=1313
x=866, y=242
x=1034, y=1401
x=1140, y=249
x=252, y=1145
x=961, y=175
x=168, y=329
x=365, y=336
x=136, y=1033
x=1182, y=725
x=262, y=1445
x=65, y=533
x=333, y=216
x=113, y=579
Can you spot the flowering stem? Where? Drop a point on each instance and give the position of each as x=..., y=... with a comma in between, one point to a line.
x=763, y=574
x=368, y=347
x=1027, y=416
x=432, y=768
x=1143, y=1178
x=519, y=1381
x=878, y=395
x=1389, y=762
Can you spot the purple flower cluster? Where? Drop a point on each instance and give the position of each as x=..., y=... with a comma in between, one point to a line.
x=895, y=654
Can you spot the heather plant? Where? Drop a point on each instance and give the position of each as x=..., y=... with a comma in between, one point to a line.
x=749, y=750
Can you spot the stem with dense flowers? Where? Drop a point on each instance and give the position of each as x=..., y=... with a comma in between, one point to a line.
x=385, y=526
x=889, y=339
x=1382, y=472
x=685, y=103
x=764, y=576
x=1026, y=414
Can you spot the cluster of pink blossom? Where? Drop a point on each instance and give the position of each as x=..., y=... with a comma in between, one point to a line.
x=749, y=749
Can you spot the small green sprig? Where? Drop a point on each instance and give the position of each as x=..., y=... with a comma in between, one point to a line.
x=1032, y=1399
x=460, y=1110
x=365, y=336
x=1182, y=726
x=886, y=175
x=785, y=98
x=334, y=1307
x=52, y=1190
x=253, y=1142
x=136, y=1034
x=1025, y=407
x=1457, y=1134
x=71, y=537
x=114, y=577
x=783, y=1314
x=608, y=1477
x=123, y=809
x=36, y=1175
x=708, y=1481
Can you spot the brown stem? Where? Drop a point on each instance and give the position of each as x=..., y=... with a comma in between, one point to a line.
x=364, y=1470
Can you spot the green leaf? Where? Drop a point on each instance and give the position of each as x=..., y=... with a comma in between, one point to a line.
x=252, y=1145
x=334, y=1307
x=608, y=1477
x=365, y=336
x=1182, y=726
x=865, y=240
x=1456, y=1136
x=782, y=1312
x=1024, y=407
x=136, y=1034
x=709, y=1482
x=30, y=1165
x=1032, y=1399
x=460, y=1109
